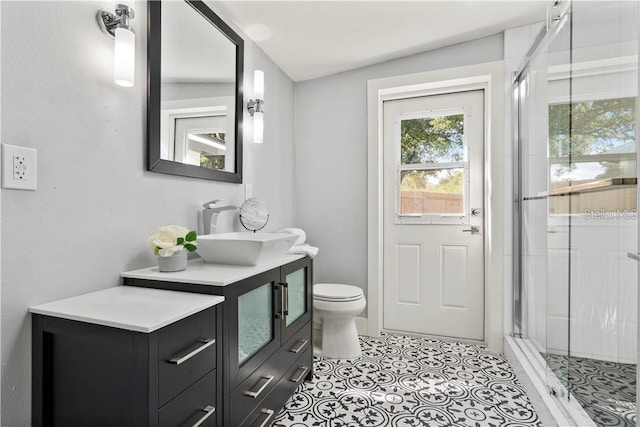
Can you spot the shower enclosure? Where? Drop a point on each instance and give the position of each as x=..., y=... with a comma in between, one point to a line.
x=575, y=286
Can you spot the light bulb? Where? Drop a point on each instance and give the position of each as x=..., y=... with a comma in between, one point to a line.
x=258, y=84
x=258, y=127
x=124, y=57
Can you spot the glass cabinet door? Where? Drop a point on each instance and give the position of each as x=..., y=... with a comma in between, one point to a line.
x=255, y=321
x=297, y=295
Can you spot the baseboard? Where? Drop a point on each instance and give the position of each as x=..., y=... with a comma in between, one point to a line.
x=362, y=325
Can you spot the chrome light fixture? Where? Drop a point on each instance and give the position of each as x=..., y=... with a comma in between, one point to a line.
x=124, y=51
x=255, y=106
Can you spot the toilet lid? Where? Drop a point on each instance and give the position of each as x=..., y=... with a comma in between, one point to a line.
x=336, y=292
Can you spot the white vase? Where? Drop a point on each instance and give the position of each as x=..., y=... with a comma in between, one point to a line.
x=175, y=262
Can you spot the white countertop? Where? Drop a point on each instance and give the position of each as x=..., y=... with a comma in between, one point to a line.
x=129, y=307
x=202, y=273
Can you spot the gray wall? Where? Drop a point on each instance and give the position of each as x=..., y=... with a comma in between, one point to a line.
x=331, y=155
x=96, y=205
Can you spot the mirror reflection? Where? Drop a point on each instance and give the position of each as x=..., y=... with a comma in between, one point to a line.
x=194, y=105
x=197, y=93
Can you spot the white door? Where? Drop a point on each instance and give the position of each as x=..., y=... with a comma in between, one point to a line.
x=433, y=209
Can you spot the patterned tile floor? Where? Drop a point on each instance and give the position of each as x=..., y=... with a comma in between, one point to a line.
x=606, y=390
x=406, y=381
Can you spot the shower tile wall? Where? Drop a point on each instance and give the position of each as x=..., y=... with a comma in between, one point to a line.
x=603, y=291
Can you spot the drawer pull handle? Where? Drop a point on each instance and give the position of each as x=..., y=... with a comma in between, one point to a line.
x=256, y=393
x=298, y=349
x=209, y=411
x=297, y=379
x=206, y=343
x=268, y=412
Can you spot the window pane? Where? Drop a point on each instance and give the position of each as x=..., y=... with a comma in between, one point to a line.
x=432, y=192
x=437, y=139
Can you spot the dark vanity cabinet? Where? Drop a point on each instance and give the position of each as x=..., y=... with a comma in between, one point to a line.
x=88, y=374
x=266, y=339
x=268, y=321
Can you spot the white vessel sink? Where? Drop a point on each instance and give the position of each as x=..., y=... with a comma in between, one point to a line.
x=244, y=248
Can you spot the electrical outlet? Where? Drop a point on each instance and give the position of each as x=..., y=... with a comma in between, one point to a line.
x=19, y=167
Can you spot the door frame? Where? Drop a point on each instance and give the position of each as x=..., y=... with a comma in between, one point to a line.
x=489, y=78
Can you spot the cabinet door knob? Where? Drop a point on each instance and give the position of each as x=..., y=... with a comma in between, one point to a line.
x=264, y=385
x=205, y=343
x=209, y=411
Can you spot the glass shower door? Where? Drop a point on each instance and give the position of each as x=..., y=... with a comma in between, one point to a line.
x=556, y=133
x=603, y=210
x=544, y=158
x=577, y=125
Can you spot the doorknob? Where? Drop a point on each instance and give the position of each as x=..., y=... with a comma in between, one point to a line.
x=473, y=230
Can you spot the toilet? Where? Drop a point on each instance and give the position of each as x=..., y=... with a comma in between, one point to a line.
x=335, y=308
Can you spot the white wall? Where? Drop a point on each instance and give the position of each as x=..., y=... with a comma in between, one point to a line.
x=331, y=155
x=96, y=205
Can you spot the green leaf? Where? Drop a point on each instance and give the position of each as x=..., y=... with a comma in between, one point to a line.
x=155, y=250
x=191, y=236
x=190, y=247
x=180, y=241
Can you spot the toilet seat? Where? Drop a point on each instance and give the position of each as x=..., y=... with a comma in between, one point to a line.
x=333, y=292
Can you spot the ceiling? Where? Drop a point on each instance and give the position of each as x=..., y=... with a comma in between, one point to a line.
x=311, y=39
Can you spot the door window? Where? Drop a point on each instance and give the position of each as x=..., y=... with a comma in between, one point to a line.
x=432, y=167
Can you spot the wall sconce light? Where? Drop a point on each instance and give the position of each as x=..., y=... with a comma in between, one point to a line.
x=124, y=51
x=255, y=106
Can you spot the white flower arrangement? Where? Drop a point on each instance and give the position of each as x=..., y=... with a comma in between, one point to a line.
x=171, y=239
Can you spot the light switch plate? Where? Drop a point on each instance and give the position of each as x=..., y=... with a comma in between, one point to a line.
x=19, y=167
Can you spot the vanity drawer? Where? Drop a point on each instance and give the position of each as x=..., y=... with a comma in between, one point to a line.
x=186, y=353
x=249, y=394
x=267, y=410
x=196, y=404
x=298, y=343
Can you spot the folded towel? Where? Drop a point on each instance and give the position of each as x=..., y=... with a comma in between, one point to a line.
x=309, y=250
x=302, y=236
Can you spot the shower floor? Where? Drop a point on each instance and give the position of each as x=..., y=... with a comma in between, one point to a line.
x=606, y=390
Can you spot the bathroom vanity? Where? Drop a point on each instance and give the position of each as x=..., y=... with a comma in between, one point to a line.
x=127, y=357
x=265, y=340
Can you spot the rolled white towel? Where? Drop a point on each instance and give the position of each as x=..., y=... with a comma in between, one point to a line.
x=309, y=250
x=302, y=236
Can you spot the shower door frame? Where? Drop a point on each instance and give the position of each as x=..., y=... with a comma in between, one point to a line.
x=554, y=22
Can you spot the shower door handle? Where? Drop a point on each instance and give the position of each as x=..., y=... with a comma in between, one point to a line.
x=635, y=256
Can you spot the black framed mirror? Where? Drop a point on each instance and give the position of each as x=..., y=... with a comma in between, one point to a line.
x=194, y=102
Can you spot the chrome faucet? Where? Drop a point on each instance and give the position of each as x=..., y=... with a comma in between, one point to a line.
x=210, y=213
